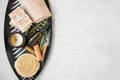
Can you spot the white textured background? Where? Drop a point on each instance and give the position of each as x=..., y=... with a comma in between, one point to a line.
x=86, y=41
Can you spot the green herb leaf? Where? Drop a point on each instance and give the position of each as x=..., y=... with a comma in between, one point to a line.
x=42, y=41
x=33, y=28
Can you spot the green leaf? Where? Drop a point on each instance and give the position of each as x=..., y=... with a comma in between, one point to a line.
x=33, y=28
x=42, y=41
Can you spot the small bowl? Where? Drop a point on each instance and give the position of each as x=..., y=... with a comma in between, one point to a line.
x=16, y=39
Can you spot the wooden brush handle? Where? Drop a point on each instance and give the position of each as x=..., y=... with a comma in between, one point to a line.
x=38, y=52
x=44, y=51
x=30, y=50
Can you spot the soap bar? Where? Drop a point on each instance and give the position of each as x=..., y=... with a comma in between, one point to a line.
x=20, y=19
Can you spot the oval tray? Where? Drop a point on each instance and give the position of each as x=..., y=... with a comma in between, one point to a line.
x=14, y=53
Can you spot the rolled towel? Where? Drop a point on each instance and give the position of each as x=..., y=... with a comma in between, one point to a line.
x=36, y=9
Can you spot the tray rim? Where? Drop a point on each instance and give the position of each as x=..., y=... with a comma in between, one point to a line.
x=49, y=46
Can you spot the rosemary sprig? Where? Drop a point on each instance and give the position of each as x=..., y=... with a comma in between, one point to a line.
x=39, y=25
x=42, y=41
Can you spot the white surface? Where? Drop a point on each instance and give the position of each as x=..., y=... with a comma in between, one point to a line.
x=86, y=41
